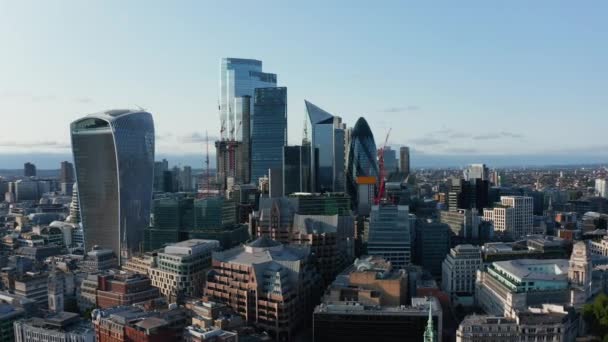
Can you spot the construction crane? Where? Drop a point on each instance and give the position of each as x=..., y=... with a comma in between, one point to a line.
x=381, y=175
x=207, y=160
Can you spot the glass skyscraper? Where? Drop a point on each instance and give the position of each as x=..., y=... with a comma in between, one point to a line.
x=296, y=169
x=328, y=136
x=269, y=131
x=239, y=77
x=389, y=234
x=114, y=161
x=362, y=160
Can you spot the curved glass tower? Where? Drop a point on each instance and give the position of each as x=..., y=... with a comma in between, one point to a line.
x=114, y=161
x=361, y=157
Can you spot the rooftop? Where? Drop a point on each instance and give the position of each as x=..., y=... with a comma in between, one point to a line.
x=532, y=269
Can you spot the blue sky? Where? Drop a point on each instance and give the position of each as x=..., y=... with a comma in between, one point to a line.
x=470, y=78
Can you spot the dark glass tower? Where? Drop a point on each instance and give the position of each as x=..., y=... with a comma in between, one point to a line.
x=269, y=131
x=296, y=169
x=329, y=140
x=361, y=157
x=114, y=161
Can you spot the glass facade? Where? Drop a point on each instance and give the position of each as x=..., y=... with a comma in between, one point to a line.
x=296, y=169
x=239, y=77
x=328, y=141
x=361, y=157
x=269, y=130
x=389, y=234
x=114, y=161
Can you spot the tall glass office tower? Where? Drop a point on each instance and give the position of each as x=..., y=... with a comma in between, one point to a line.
x=269, y=131
x=114, y=161
x=239, y=77
x=361, y=157
x=328, y=136
x=389, y=234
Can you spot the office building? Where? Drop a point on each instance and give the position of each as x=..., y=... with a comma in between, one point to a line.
x=270, y=284
x=389, y=234
x=33, y=286
x=459, y=270
x=114, y=161
x=530, y=247
x=186, y=179
x=59, y=327
x=601, y=189
x=29, y=170
x=512, y=217
x=181, y=268
x=99, y=259
x=468, y=194
x=432, y=245
x=508, y=287
x=390, y=160
x=477, y=171
x=362, y=162
x=26, y=190
x=328, y=137
x=404, y=160
x=268, y=131
x=296, y=169
x=361, y=323
x=275, y=219
x=545, y=322
x=320, y=233
x=131, y=323
x=8, y=315
x=160, y=167
x=66, y=172
x=487, y=328
x=239, y=78
x=120, y=288
x=330, y=204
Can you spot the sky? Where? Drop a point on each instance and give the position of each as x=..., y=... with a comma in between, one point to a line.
x=456, y=81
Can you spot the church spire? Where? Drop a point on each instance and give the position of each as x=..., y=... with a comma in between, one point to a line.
x=429, y=332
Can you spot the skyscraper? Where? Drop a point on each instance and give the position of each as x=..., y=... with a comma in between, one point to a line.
x=29, y=170
x=239, y=77
x=477, y=171
x=67, y=172
x=329, y=137
x=114, y=159
x=390, y=160
x=362, y=160
x=404, y=160
x=269, y=131
x=296, y=169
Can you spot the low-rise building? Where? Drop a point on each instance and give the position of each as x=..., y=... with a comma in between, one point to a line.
x=198, y=334
x=358, y=323
x=129, y=323
x=59, y=327
x=99, y=259
x=120, y=288
x=484, y=328
x=546, y=322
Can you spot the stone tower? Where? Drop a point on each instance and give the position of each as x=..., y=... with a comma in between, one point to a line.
x=580, y=273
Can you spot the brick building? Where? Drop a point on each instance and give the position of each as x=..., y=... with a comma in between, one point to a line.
x=271, y=285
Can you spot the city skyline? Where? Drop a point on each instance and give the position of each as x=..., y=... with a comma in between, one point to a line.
x=442, y=98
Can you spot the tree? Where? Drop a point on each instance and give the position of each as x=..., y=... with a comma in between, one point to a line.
x=596, y=316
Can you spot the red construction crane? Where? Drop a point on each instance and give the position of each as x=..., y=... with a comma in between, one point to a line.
x=381, y=175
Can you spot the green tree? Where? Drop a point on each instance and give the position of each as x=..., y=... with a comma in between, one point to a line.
x=596, y=316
